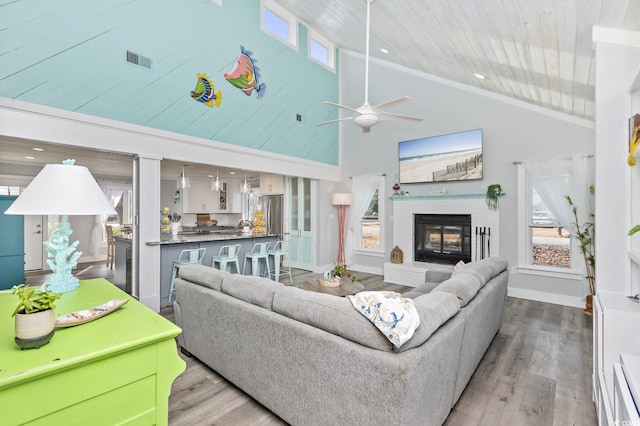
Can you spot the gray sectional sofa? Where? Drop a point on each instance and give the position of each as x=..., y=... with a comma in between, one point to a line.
x=312, y=359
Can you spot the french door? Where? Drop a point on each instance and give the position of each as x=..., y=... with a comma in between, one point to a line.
x=301, y=208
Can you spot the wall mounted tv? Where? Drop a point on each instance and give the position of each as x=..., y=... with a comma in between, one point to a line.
x=455, y=156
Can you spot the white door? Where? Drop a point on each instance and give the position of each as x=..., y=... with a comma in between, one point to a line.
x=33, y=238
x=301, y=206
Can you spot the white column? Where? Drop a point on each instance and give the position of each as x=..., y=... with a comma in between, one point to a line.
x=146, y=227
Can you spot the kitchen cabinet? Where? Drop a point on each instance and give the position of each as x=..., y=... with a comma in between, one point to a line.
x=229, y=197
x=200, y=198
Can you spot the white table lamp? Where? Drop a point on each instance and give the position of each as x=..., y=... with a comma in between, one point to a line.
x=62, y=189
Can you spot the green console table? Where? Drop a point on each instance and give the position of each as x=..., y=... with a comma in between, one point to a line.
x=117, y=369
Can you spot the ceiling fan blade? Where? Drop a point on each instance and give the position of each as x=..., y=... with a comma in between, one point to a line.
x=333, y=121
x=333, y=104
x=386, y=105
x=390, y=116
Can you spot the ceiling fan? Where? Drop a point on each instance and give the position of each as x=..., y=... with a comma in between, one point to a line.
x=366, y=115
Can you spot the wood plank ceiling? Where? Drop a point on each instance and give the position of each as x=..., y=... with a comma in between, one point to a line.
x=537, y=51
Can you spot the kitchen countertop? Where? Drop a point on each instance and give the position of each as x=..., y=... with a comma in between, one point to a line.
x=203, y=237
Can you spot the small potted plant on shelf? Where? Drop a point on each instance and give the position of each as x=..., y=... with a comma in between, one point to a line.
x=35, y=316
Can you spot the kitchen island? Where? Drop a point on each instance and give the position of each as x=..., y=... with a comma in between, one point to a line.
x=172, y=245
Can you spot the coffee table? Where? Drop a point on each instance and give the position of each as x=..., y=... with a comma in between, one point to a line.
x=345, y=289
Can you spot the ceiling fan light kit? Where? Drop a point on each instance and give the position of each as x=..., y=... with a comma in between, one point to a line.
x=366, y=116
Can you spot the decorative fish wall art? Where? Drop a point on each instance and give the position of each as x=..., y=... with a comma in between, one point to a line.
x=245, y=75
x=204, y=92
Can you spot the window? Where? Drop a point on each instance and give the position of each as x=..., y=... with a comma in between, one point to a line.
x=544, y=247
x=370, y=232
x=550, y=243
x=370, y=226
x=279, y=23
x=321, y=50
x=10, y=190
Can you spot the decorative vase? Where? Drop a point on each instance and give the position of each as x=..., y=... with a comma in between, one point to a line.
x=175, y=228
x=34, y=330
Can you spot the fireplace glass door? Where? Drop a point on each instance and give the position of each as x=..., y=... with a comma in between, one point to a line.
x=442, y=238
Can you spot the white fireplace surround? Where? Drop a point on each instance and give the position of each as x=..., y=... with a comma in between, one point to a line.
x=404, y=207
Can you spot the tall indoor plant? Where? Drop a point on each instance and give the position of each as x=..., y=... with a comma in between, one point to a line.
x=585, y=233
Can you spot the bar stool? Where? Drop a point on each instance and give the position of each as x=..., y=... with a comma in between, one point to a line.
x=259, y=251
x=228, y=256
x=279, y=251
x=191, y=256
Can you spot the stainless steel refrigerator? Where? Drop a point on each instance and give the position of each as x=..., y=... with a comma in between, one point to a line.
x=273, y=208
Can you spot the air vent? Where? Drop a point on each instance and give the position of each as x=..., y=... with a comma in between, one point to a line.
x=136, y=59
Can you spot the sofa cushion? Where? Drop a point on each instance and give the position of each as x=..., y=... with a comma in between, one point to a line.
x=434, y=309
x=420, y=290
x=333, y=314
x=252, y=289
x=438, y=273
x=463, y=285
x=496, y=264
x=204, y=275
x=482, y=271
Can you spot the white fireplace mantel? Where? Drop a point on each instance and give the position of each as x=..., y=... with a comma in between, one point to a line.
x=405, y=206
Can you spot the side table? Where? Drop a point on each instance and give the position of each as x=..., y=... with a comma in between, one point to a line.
x=114, y=370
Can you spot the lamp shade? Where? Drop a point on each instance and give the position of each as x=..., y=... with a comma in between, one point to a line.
x=341, y=199
x=62, y=189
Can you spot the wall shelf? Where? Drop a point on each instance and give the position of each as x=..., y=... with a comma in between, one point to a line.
x=440, y=196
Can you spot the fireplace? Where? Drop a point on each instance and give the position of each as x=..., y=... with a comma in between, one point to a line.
x=442, y=238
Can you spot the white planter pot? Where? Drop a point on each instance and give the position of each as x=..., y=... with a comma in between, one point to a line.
x=36, y=325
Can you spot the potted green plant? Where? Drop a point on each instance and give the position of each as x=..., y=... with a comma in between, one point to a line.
x=343, y=271
x=35, y=316
x=494, y=192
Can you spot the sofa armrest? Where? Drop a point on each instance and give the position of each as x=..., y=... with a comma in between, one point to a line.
x=177, y=312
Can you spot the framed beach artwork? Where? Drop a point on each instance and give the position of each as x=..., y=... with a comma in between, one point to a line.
x=450, y=157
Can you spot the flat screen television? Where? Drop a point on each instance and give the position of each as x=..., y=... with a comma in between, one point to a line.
x=454, y=156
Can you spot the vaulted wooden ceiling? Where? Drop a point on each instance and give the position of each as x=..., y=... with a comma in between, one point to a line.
x=537, y=51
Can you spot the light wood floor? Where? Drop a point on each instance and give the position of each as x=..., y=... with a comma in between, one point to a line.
x=537, y=371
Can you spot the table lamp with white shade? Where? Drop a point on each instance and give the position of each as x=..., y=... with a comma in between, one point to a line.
x=62, y=189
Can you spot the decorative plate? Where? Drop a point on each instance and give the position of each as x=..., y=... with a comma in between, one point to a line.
x=86, y=315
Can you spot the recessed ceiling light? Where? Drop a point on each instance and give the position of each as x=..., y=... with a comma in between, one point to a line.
x=28, y=157
x=37, y=149
x=210, y=176
x=232, y=173
x=383, y=50
x=479, y=76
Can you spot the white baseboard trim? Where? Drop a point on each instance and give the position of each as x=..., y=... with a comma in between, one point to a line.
x=368, y=269
x=540, y=296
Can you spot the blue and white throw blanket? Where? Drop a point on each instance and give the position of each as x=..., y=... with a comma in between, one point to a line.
x=395, y=316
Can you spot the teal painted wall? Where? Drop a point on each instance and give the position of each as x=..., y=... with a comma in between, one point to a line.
x=70, y=54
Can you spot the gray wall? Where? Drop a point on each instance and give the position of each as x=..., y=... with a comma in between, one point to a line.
x=512, y=130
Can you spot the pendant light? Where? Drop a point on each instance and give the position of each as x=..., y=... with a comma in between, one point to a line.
x=246, y=186
x=183, y=180
x=215, y=184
